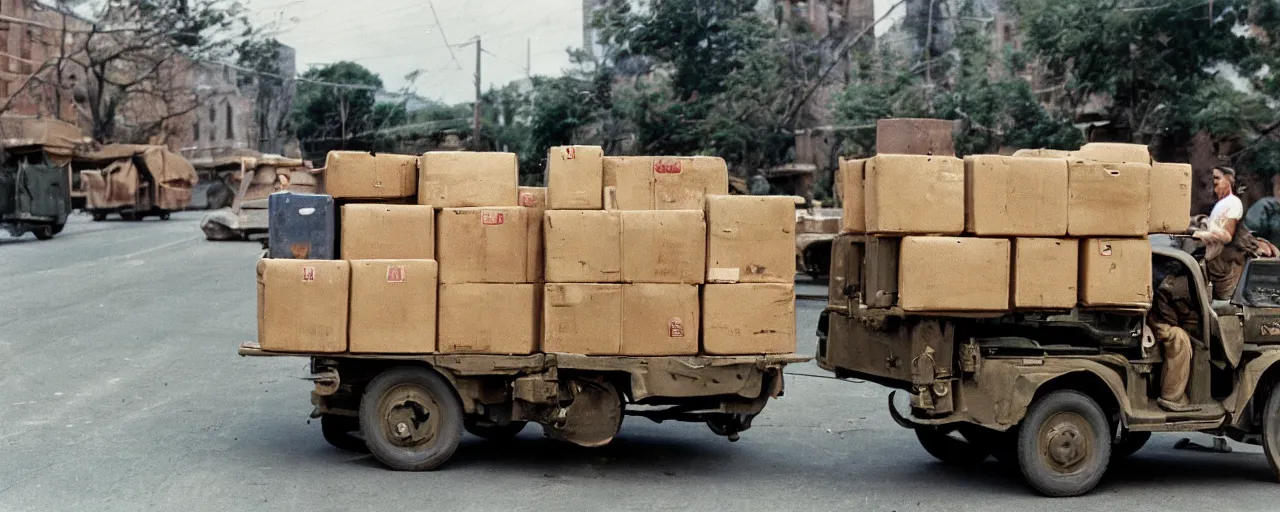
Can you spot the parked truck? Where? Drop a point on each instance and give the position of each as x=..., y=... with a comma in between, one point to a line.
x=1058, y=394
x=36, y=187
x=135, y=181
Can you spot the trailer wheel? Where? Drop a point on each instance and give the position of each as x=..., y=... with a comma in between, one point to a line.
x=1129, y=444
x=164, y=216
x=42, y=232
x=1271, y=431
x=1065, y=444
x=493, y=431
x=99, y=216
x=337, y=431
x=951, y=450
x=411, y=419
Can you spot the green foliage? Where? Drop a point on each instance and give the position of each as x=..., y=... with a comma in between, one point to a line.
x=329, y=117
x=997, y=109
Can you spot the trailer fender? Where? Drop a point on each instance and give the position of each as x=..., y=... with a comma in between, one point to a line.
x=1247, y=385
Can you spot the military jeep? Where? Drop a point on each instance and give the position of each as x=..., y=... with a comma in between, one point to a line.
x=1059, y=394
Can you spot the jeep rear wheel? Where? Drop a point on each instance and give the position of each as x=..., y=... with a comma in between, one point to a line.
x=1271, y=431
x=1064, y=444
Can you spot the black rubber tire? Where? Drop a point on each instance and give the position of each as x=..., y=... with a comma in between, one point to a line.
x=337, y=431
x=57, y=228
x=1271, y=431
x=493, y=432
x=1129, y=444
x=42, y=232
x=1052, y=410
x=447, y=431
x=1003, y=445
x=164, y=216
x=950, y=450
x=99, y=216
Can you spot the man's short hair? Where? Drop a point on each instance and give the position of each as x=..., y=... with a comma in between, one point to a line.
x=1226, y=171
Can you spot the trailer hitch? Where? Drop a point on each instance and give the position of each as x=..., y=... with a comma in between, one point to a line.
x=898, y=418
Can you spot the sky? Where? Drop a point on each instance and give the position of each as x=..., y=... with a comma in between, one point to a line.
x=396, y=37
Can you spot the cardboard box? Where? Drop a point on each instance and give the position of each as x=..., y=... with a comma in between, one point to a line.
x=460, y=179
x=1115, y=272
x=852, y=175
x=915, y=137
x=532, y=197
x=1170, y=198
x=582, y=318
x=910, y=194
x=364, y=175
x=487, y=318
x=575, y=178
x=1108, y=199
x=663, y=246
x=388, y=231
x=302, y=305
x=953, y=274
x=751, y=239
x=484, y=245
x=664, y=183
x=659, y=319
x=534, y=200
x=1042, y=153
x=1045, y=273
x=845, y=276
x=393, y=306
x=1013, y=196
x=751, y=318
x=1112, y=152
x=583, y=246
x=642, y=319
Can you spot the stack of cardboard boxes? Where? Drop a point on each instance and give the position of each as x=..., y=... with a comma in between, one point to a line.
x=619, y=256
x=1038, y=230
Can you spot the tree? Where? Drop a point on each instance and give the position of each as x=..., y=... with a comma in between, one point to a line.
x=273, y=91
x=137, y=63
x=1167, y=73
x=336, y=108
x=996, y=108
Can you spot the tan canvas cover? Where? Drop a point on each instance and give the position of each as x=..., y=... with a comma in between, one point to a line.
x=59, y=139
x=173, y=174
x=113, y=186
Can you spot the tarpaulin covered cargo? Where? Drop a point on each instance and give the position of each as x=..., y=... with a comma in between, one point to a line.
x=116, y=184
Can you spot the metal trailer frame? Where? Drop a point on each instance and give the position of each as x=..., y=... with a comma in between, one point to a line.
x=576, y=398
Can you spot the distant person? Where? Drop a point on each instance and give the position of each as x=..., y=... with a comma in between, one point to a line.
x=760, y=185
x=1225, y=246
x=1263, y=218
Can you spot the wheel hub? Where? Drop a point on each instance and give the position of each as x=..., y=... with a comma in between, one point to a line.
x=1065, y=442
x=409, y=417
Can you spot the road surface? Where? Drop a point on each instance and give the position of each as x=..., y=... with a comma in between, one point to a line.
x=120, y=390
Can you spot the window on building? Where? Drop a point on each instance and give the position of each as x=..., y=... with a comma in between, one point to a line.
x=230, y=132
x=195, y=131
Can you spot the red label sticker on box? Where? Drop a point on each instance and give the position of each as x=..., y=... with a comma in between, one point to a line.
x=569, y=152
x=395, y=273
x=1104, y=249
x=528, y=200
x=666, y=166
x=675, y=327
x=491, y=218
x=308, y=274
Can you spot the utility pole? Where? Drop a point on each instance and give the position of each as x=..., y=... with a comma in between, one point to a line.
x=475, y=122
x=528, y=57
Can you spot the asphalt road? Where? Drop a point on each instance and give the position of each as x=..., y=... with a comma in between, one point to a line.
x=120, y=389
